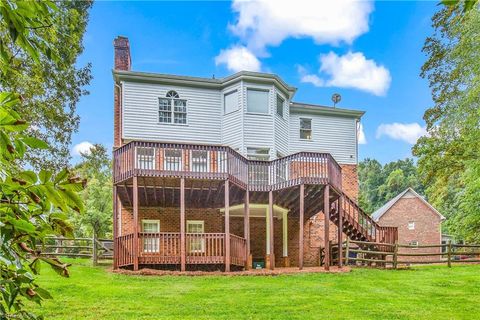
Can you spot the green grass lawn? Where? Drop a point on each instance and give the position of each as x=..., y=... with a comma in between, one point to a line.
x=433, y=292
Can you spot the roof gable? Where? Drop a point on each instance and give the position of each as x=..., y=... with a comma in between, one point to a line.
x=408, y=193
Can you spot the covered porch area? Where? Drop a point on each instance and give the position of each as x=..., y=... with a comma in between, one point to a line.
x=217, y=225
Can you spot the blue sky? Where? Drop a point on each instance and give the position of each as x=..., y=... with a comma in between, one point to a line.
x=368, y=52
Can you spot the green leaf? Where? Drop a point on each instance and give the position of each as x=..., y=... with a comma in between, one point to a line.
x=35, y=143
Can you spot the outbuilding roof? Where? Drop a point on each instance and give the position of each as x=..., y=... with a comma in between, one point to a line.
x=382, y=210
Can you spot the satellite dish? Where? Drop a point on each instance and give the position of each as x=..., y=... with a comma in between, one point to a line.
x=336, y=98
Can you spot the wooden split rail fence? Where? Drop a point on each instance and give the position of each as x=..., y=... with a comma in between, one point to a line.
x=392, y=255
x=77, y=248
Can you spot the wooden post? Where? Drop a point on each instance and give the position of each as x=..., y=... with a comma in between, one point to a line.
x=449, y=253
x=227, y=226
x=340, y=231
x=347, y=252
x=183, y=255
x=136, y=245
x=326, y=211
x=94, y=249
x=246, y=230
x=300, y=231
x=395, y=255
x=115, y=227
x=285, y=239
x=270, y=209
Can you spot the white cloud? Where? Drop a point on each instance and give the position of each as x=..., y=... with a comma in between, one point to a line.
x=83, y=147
x=263, y=23
x=408, y=132
x=238, y=58
x=361, y=135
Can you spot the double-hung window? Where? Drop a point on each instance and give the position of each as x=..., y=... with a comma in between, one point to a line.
x=195, y=228
x=151, y=241
x=258, y=154
x=231, y=102
x=305, y=129
x=258, y=172
x=280, y=105
x=172, y=109
x=199, y=161
x=145, y=158
x=173, y=160
x=257, y=101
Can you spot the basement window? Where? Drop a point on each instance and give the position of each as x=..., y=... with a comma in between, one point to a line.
x=413, y=243
x=195, y=238
x=172, y=109
x=151, y=241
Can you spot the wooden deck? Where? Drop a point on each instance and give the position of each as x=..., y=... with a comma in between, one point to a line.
x=165, y=248
x=199, y=176
x=151, y=159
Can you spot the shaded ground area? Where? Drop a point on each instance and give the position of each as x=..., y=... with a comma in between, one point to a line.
x=430, y=292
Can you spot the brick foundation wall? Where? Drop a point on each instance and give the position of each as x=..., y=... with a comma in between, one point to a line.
x=214, y=222
x=427, y=226
x=350, y=180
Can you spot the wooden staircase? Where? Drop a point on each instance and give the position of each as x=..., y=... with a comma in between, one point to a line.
x=359, y=226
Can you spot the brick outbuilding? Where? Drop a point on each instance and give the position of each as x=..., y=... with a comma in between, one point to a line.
x=418, y=223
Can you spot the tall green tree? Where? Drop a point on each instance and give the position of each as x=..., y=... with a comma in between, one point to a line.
x=50, y=88
x=96, y=169
x=449, y=156
x=32, y=204
x=379, y=184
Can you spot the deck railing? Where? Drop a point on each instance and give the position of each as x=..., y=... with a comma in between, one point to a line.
x=165, y=248
x=219, y=162
x=124, y=249
x=363, y=223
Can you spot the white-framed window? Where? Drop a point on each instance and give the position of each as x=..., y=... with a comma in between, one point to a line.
x=230, y=101
x=145, y=158
x=199, y=161
x=280, y=105
x=305, y=129
x=173, y=160
x=151, y=243
x=413, y=243
x=411, y=225
x=257, y=101
x=258, y=154
x=172, y=109
x=196, y=243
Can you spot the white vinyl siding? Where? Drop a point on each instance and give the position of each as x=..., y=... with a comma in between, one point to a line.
x=141, y=114
x=336, y=135
x=281, y=129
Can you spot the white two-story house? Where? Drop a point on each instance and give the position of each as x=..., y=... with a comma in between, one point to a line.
x=227, y=173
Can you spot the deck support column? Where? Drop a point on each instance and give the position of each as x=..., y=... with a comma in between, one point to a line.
x=326, y=212
x=136, y=244
x=227, y=226
x=286, y=262
x=270, y=217
x=340, y=231
x=300, y=229
x=183, y=257
x=246, y=230
x=115, y=227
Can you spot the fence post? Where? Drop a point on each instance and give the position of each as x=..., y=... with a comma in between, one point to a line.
x=449, y=253
x=395, y=255
x=347, y=251
x=94, y=249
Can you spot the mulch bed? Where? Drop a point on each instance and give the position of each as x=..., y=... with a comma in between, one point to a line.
x=253, y=272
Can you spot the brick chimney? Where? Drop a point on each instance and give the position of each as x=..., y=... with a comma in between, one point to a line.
x=122, y=61
x=122, y=54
